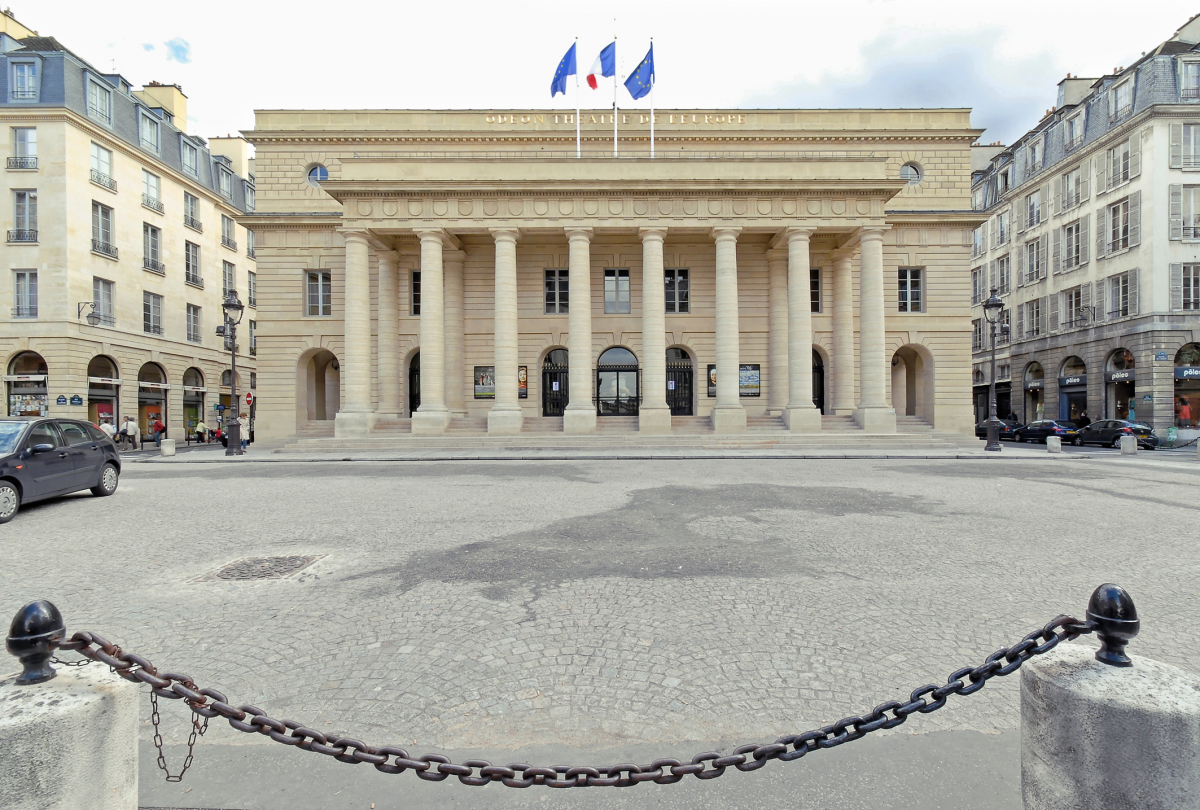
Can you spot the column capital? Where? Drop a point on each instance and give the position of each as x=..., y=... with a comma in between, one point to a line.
x=505, y=234
x=792, y=234
x=659, y=233
x=355, y=236
x=574, y=232
x=387, y=255
x=777, y=255
x=726, y=233
x=872, y=232
x=431, y=234
x=842, y=254
x=454, y=256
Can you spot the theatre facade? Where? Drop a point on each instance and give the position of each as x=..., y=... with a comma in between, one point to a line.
x=426, y=271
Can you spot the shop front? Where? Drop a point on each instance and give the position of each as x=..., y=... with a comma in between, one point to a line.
x=1072, y=389
x=152, y=397
x=1035, y=392
x=1120, y=386
x=193, y=399
x=104, y=389
x=26, y=385
x=1187, y=386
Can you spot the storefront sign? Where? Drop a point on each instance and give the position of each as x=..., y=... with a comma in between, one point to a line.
x=76, y=399
x=25, y=378
x=749, y=380
x=1188, y=373
x=485, y=382
x=1148, y=398
x=62, y=400
x=1161, y=357
x=523, y=382
x=1035, y=385
x=1079, y=379
x=1129, y=375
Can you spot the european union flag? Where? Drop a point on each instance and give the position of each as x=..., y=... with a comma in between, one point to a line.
x=642, y=79
x=565, y=68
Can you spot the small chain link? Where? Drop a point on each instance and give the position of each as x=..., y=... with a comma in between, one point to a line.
x=208, y=703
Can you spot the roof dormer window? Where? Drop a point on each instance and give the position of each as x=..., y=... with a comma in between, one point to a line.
x=1120, y=100
x=1189, y=79
x=24, y=81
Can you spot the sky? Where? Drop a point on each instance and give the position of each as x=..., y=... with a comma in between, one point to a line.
x=231, y=58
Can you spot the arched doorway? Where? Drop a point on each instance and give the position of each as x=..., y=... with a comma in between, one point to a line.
x=1187, y=386
x=617, y=383
x=103, y=390
x=26, y=383
x=1072, y=388
x=912, y=382
x=1120, y=386
x=680, y=386
x=152, y=396
x=193, y=398
x=555, y=382
x=1035, y=392
x=414, y=384
x=818, y=381
x=318, y=386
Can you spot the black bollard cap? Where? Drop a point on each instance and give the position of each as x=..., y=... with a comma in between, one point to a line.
x=32, y=637
x=1112, y=612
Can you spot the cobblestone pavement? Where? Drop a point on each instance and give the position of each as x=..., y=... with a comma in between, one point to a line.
x=486, y=606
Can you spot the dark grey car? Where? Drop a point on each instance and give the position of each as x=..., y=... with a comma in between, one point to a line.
x=43, y=458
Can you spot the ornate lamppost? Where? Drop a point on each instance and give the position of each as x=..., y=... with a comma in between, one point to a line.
x=234, y=310
x=992, y=309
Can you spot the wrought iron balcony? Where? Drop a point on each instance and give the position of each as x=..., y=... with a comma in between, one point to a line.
x=252, y=302
x=194, y=280
x=253, y=350
x=22, y=163
x=1118, y=244
x=1189, y=232
x=1123, y=112
x=107, y=320
x=28, y=311
x=102, y=179
x=152, y=203
x=250, y=252
x=195, y=337
x=24, y=94
x=152, y=328
x=153, y=265
x=1190, y=92
x=1074, y=142
x=104, y=248
x=23, y=235
x=194, y=224
x=229, y=243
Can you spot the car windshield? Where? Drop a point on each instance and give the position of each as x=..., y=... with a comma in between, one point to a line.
x=9, y=433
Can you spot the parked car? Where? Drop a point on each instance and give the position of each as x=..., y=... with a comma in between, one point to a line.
x=42, y=458
x=1110, y=431
x=1007, y=429
x=1042, y=429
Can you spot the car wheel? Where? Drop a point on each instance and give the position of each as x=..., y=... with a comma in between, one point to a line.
x=108, y=481
x=1077, y=442
x=10, y=501
x=1117, y=443
x=1017, y=438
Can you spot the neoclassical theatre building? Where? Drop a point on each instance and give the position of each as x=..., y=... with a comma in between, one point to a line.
x=426, y=271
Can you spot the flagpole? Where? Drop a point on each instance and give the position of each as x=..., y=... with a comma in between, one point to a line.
x=652, y=105
x=614, y=95
x=578, y=149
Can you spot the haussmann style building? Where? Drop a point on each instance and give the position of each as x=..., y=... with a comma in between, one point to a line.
x=432, y=272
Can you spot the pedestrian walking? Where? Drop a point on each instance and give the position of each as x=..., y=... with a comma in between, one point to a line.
x=133, y=433
x=1082, y=421
x=1185, y=412
x=107, y=429
x=244, y=430
x=201, y=431
x=157, y=430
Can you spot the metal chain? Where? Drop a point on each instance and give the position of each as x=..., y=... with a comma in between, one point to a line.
x=198, y=729
x=210, y=703
x=62, y=663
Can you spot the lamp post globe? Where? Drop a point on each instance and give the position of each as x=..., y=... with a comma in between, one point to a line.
x=993, y=308
x=234, y=309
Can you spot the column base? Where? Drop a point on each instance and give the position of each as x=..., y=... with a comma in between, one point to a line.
x=580, y=420
x=841, y=411
x=654, y=420
x=505, y=423
x=353, y=424
x=802, y=420
x=876, y=420
x=430, y=423
x=729, y=420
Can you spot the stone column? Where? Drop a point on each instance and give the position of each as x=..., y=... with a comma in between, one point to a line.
x=842, y=357
x=388, y=359
x=728, y=416
x=777, y=329
x=452, y=262
x=432, y=417
x=653, y=414
x=873, y=413
x=801, y=415
x=505, y=417
x=357, y=418
x=580, y=414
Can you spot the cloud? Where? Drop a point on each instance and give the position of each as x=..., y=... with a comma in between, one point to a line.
x=146, y=46
x=179, y=50
x=1008, y=96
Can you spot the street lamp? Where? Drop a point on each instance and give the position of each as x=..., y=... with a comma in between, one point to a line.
x=93, y=317
x=234, y=310
x=992, y=308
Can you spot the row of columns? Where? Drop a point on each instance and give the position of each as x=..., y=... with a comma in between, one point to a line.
x=789, y=339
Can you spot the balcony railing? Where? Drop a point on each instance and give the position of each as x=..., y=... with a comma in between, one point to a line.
x=1190, y=92
x=1073, y=142
x=194, y=280
x=229, y=243
x=252, y=302
x=253, y=350
x=106, y=320
x=24, y=94
x=194, y=224
x=1118, y=244
x=1190, y=161
x=102, y=179
x=28, y=311
x=1117, y=115
x=1189, y=232
x=22, y=163
x=23, y=235
x=152, y=203
x=153, y=265
x=104, y=248
x=195, y=337
x=250, y=252
x=152, y=328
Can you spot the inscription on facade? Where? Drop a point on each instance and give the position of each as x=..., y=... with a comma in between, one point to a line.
x=533, y=119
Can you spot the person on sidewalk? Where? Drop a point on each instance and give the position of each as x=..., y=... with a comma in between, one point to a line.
x=133, y=433
x=201, y=432
x=157, y=430
x=244, y=430
x=1082, y=421
x=107, y=429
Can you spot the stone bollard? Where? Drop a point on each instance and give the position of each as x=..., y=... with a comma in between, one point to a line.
x=1053, y=444
x=1129, y=445
x=168, y=447
x=67, y=739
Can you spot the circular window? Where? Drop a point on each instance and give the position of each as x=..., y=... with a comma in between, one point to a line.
x=317, y=175
x=911, y=173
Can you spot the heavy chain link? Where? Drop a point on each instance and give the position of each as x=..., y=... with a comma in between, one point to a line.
x=208, y=703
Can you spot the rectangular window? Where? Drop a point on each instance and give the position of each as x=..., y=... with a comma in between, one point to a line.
x=1004, y=183
x=976, y=334
x=414, y=304
x=148, y=132
x=191, y=212
x=910, y=293
x=25, y=214
x=1118, y=226
x=188, y=155
x=977, y=282
x=1191, y=286
x=1072, y=246
x=1074, y=131
x=99, y=101
x=1070, y=189
x=102, y=297
x=1033, y=155
x=1118, y=164
x=225, y=185
x=191, y=264
x=1033, y=318
x=1189, y=79
x=228, y=279
x=1004, y=330
x=320, y=294
x=1072, y=314
x=616, y=291
x=253, y=337
x=1191, y=211
x=556, y=290
x=250, y=244
x=102, y=230
x=814, y=289
x=1002, y=274
x=151, y=313
x=25, y=143
x=1033, y=206
x=25, y=287
x=678, y=291
x=228, y=233
x=252, y=289
x=151, y=185
x=151, y=248
x=1033, y=261
x=253, y=380
x=1118, y=296
x=1120, y=100
x=249, y=198
x=1191, y=146
x=101, y=161
x=194, y=333
x=24, y=81
x=978, y=248
x=1003, y=227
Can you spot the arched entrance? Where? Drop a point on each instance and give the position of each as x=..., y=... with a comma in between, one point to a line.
x=1072, y=388
x=617, y=383
x=818, y=380
x=318, y=386
x=26, y=384
x=555, y=382
x=193, y=398
x=152, y=396
x=1035, y=392
x=912, y=382
x=103, y=390
x=1187, y=386
x=1120, y=386
x=680, y=386
x=414, y=383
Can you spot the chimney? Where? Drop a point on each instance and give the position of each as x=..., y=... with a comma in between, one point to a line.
x=1073, y=90
x=234, y=147
x=168, y=96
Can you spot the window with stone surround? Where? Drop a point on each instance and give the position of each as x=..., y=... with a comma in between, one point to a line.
x=616, y=291
x=557, y=290
x=678, y=291
x=814, y=288
x=1001, y=274
x=320, y=294
x=976, y=334
x=414, y=293
x=910, y=292
x=977, y=283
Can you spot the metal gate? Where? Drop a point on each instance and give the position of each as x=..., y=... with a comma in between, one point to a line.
x=555, y=389
x=414, y=384
x=679, y=388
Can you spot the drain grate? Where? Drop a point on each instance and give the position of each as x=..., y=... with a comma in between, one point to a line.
x=262, y=568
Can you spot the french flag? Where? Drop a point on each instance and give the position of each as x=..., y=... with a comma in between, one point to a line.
x=605, y=65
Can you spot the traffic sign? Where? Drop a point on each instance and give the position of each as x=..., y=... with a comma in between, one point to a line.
x=249, y=398
x=219, y=407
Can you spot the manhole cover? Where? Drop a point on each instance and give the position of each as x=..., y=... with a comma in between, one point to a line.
x=262, y=568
